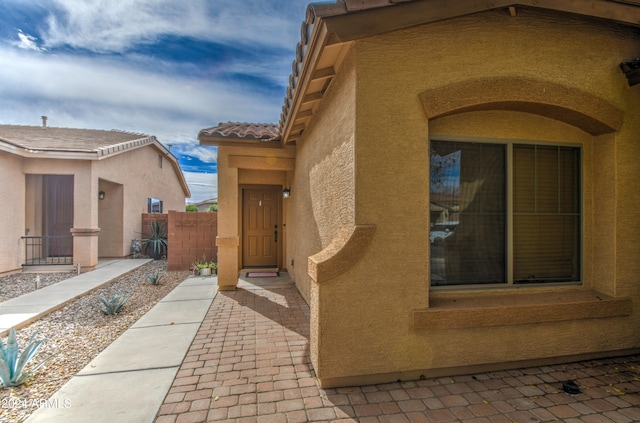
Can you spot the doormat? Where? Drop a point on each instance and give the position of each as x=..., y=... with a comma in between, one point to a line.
x=263, y=274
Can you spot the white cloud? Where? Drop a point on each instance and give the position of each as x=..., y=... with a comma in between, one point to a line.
x=104, y=94
x=27, y=42
x=203, y=153
x=203, y=186
x=76, y=78
x=134, y=92
x=105, y=25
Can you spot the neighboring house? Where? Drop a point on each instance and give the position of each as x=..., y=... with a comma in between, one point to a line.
x=70, y=196
x=204, y=205
x=518, y=115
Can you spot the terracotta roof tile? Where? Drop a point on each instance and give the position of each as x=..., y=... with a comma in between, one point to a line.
x=356, y=5
x=39, y=138
x=255, y=131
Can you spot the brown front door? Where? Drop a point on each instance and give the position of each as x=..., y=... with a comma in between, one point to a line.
x=260, y=227
x=58, y=215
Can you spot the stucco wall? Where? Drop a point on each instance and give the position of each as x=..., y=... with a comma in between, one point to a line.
x=12, y=192
x=323, y=190
x=138, y=171
x=362, y=319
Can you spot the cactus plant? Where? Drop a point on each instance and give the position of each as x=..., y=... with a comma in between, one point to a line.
x=113, y=304
x=154, y=278
x=13, y=363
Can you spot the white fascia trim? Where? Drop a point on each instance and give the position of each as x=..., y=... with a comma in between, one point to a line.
x=46, y=154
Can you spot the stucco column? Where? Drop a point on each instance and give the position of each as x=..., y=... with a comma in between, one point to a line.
x=228, y=239
x=227, y=262
x=85, y=247
x=85, y=229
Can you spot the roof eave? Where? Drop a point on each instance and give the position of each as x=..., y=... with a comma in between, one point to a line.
x=344, y=22
x=374, y=21
x=317, y=41
x=236, y=142
x=115, y=149
x=99, y=154
x=46, y=153
x=151, y=140
x=175, y=164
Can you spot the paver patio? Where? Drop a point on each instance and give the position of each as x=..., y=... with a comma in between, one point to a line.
x=249, y=362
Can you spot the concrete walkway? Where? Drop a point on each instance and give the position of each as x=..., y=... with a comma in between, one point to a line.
x=23, y=310
x=128, y=381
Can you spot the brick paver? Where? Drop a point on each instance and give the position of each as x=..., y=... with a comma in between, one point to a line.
x=250, y=362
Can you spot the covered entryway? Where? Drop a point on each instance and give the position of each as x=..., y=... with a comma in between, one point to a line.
x=260, y=227
x=49, y=219
x=111, y=242
x=253, y=171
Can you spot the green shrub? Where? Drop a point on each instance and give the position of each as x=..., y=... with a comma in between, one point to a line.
x=113, y=304
x=12, y=363
x=191, y=208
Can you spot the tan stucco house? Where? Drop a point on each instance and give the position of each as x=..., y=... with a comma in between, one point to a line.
x=204, y=205
x=70, y=196
x=462, y=181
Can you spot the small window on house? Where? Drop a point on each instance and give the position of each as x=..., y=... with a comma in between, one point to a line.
x=160, y=161
x=154, y=205
x=504, y=214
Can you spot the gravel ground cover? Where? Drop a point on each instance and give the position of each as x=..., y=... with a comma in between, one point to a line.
x=17, y=284
x=78, y=332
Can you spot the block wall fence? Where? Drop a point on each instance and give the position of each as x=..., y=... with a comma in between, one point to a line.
x=190, y=235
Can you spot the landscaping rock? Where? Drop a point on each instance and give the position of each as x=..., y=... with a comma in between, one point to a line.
x=79, y=331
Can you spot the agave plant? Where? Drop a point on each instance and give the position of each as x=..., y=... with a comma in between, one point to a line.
x=157, y=240
x=113, y=304
x=13, y=363
x=154, y=278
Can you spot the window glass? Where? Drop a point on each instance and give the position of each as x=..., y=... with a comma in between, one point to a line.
x=546, y=221
x=471, y=230
x=468, y=204
x=154, y=205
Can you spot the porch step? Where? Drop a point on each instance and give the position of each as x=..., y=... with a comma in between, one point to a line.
x=58, y=268
x=260, y=270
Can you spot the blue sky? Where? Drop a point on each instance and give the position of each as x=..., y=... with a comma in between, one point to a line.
x=168, y=68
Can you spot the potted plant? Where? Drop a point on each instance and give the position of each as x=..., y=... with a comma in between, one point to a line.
x=204, y=268
x=198, y=265
x=213, y=267
x=157, y=241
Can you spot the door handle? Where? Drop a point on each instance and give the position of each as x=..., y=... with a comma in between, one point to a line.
x=275, y=233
